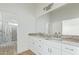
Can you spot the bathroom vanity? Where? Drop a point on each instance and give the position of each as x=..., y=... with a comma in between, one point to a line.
x=53, y=46
x=64, y=21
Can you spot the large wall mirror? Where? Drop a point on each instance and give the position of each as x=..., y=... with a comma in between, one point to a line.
x=70, y=27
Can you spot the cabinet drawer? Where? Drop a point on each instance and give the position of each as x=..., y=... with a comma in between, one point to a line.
x=66, y=53
x=69, y=48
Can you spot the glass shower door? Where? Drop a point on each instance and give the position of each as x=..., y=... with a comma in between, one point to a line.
x=1, y=30
x=8, y=33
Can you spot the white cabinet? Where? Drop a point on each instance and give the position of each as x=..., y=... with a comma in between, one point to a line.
x=54, y=47
x=70, y=49
x=33, y=45
x=49, y=7
x=40, y=46
x=46, y=47
x=40, y=7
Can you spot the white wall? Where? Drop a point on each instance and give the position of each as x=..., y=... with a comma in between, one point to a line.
x=25, y=19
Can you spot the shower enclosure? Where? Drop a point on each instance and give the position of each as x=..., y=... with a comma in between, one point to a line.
x=8, y=33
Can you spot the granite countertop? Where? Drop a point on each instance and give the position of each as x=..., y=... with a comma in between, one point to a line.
x=65, y=39
x=71, y=41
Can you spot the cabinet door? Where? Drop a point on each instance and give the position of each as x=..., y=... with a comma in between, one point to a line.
x=44, y=47
x=54, y=50
x=34, y=46
x=41, y=47
x=55, y=47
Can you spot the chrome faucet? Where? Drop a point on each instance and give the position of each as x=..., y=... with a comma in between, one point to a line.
x=57, y=35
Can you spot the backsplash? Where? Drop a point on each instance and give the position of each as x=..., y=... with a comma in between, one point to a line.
x=70, y=36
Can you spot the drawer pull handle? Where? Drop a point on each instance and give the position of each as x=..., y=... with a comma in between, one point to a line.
x=39, y=46
x=70, y=49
